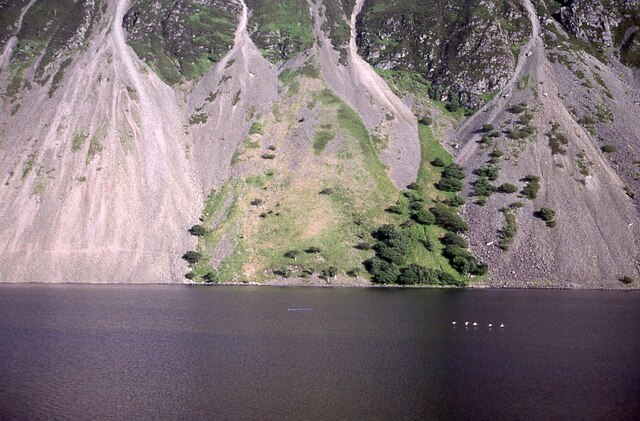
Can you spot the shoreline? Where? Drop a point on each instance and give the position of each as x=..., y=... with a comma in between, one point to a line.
x=327, y=285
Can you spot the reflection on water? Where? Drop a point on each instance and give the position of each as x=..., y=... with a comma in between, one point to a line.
x=134, y=352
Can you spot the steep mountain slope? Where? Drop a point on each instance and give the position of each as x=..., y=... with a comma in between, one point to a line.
x=563, y=117
x=96, y=184
x=300, y=141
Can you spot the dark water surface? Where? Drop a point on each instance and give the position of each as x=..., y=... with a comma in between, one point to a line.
x=141, y=352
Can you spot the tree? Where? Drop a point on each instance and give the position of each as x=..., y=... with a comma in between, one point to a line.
x=483, y=187
x=438, y=162
x=454, y=201
x=423, y=216
x=608, y=148
x=449, y=184
x=548, y=215
x=453, y=171
x=198, y=230
x=382, y=271
x=330, y=272
x=192, y=257
x=386, y=232
x=211, y=277
x=507, y=188
x=449, y=219
x=453, y=239
x=416, y=274
x=395, y=255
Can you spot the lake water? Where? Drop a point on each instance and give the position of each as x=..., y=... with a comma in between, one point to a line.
x=179, y=352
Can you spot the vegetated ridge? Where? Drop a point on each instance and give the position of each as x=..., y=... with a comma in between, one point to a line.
x=340, y=142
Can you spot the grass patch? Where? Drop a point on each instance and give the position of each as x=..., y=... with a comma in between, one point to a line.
x=256, y=128
x=320, y=140
x=78, y=141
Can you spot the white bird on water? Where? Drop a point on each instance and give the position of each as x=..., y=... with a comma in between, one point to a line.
x=501, y=324
x=475, y=323
x=454, y=323
x=490, y=325
x=466, y=323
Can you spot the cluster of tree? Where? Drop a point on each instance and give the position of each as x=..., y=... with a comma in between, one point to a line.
x=451, y=181
x=459, y=257
x=530, y=190
x=393, y=249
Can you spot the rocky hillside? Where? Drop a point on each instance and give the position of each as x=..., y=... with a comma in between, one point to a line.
x=304, y=142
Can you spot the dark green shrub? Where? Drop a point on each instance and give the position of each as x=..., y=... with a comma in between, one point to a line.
x=414, y=206
x=453, y=239
x=453, y=171
x=437, y=162
x=330, y=272
x=449, y=184
x=427, y=243
x=507, y=188
x=326, y=191
x=397, y=209
x=382, y=272
x=416, y=274
x=389, y=253
x=313, y=250
x=413, y=186
x=492, y=172
x=423, y=216
x=526, y=118
x=292, y=254
x=192, y=257
x=198, y=230
x=548, y=215
x=530, y=190
x=413, y=196
x=267, y=156
x=454, y=201
x=608, y=149
x=508, y=232
x=445, y=278
x=627, y=280
x=463, y=261
x=353, y=272
x=211, y=277
x=483, y=188
x=487, y=128
x=257, y=202
x=426, y=120
x=629, y=191
x=386, y=232
x=285, y=272
x=363, y=246
x=496, y=153
x=449, y=219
